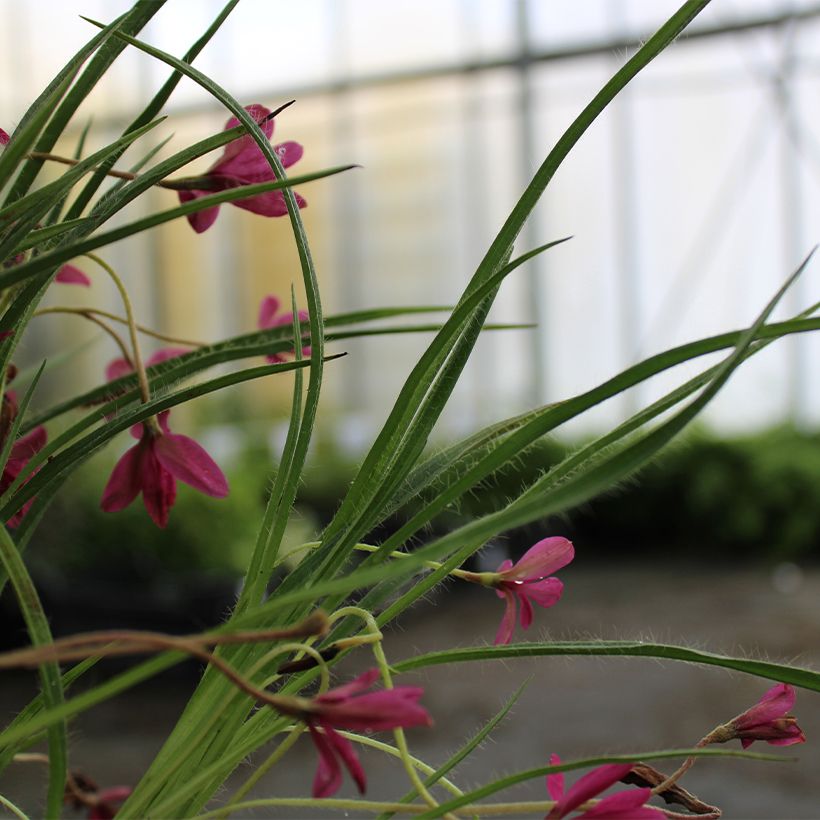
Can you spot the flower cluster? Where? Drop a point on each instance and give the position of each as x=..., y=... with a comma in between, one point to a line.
x=243, y=163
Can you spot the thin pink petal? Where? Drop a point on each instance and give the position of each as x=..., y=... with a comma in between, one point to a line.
x=4, y=137
x=555, y=782
x=201, y=220
x=774, y=704
x=378, y=711
x=165, y=353
x=188, y=461
x=507, y=625
x=545, y=593
x=246, y=142
x=358, y=685
x=69, y=275
x=289, y=153
x=268, y=308
x=271, y=203
x=117, y=368
x=589, y=786
x=624, y=805
x=542, y=559
x=159, y=489
x=344, y=749
x=328, y=776
x=525, y=615
x=125, y=483
x=28, y=445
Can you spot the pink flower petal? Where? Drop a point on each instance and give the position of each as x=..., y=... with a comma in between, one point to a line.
x=774, y=704
x=268, y=308
x=165, y=353
x=289, y=153
x=69, y=275
x=246, y=142
x=344, y=749
x=4, y=137
x=159, y=489
x=378, y=711
x=117, y=368
x=271, y=203
x=542, y=559
x=125, y=483
x=507, y=625
x=201, y=220
x=328, y=775
x=545, y=593
x=25, y=447
x=188, y=461
x=624, y=805
x=347, y=690
x=555, y=782
x=589, y=786
x=525, y=615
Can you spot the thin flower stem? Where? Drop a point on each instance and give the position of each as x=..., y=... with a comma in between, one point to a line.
x=524, y=808
x=17, y=812
x=87, y=314
x=679, y=772
x=112, y=172
x=147, y=331
x=142, y=379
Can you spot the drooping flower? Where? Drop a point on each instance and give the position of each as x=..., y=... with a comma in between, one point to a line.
x=69, y=275
x=152, y=467
x=108, y=802
x=268, y=309
x=243, y=163
x=624, y=805
x=21, y=453
x=767, y=720
x=527, y=582
x=352, y=707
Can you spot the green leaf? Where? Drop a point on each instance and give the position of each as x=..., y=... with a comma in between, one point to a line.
x=780, y=672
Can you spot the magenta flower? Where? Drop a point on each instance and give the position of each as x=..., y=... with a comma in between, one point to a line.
x=767, y=720
x=242, y=163
x=624, y=805
x=21, y=452
x=153, y=465
x=526, y=582
x=69, y=275
x=117, y=368
x=268, y=308
x=352, y=707
x=108, y=801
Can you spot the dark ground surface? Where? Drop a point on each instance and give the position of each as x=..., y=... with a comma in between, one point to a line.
x=573, y=706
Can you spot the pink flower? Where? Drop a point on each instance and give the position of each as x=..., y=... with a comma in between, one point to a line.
x=767, y=720
x=242, y=163
x=268, y=309
x=153, y=465
x=21, y=452
x=117, y=368
x=625, y=805
x=4, y=137
x=108, y=801
x=526, y=582
x=69, y=275
x=352, y=707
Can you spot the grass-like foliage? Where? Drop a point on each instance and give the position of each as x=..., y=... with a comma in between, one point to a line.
x=268, y=665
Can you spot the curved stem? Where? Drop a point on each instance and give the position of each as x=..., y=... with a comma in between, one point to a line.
x=142, y=379
x=87, y=314
x=147, y=331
